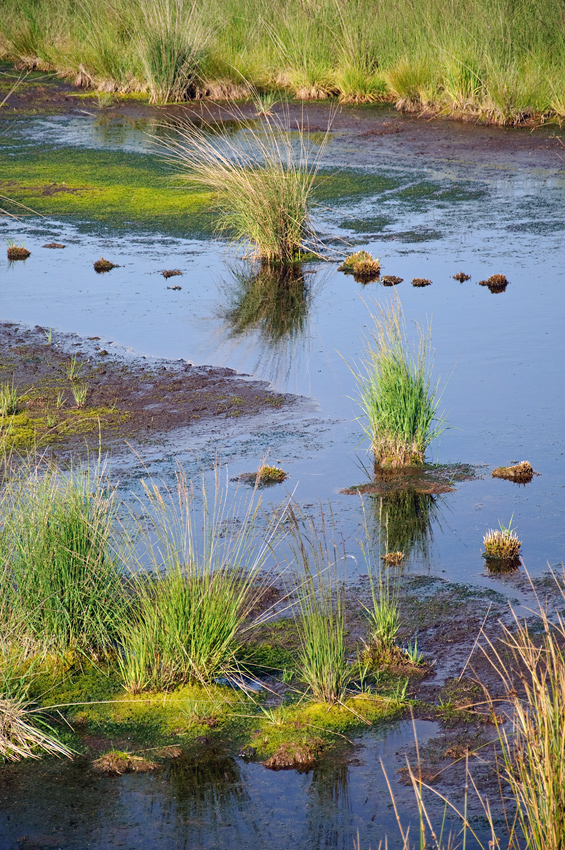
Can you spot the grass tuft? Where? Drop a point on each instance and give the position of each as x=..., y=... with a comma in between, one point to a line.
x=396, y=395
x=262, y=187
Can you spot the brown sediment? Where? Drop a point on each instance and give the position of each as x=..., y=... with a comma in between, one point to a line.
x=421, y=281
x=18, y=252
x=461, y=277
x=521, y=473
x=132, y=400
x=53, y=245
x=298, y=756
x=167, y=273
x=103, y=265
x=391, y=280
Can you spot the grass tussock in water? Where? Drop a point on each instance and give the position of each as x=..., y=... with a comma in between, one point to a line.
x=262, y=186
x=396, y=395
x=500, y=61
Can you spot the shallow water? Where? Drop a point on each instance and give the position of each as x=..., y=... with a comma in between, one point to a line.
x=425, y=214
x=501, y=354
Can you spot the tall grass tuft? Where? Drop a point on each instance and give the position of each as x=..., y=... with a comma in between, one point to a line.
x=396, y=393
x=60, y=572
x=171, y=39
x=262, y=182
x=323, y=664
x=195, y=601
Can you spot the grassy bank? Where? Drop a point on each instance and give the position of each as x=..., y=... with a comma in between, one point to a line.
x=501, y=61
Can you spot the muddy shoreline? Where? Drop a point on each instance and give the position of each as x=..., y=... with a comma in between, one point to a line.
x=128, y=399
x=378, y=127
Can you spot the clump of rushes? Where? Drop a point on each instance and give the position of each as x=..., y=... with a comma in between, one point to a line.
x=171, y=40
x=60, y=572
x=192, y=609
x=421, y=281
x=362, y=266
x=383, y=618
x=102, y=265
x=17, y=252
x=262, y=182
x=323, y=664
x=270, y=475
x=461, y=277
x=9, y=400
x=396, y=395
x=502, y=544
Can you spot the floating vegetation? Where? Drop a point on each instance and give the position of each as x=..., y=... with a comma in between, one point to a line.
x=116, y=763
x=502, y=548
x=271, y=475
x=18, y=252
x=176, y=288
x=167, y=273
x=522, y=472
x=461, y=277
x=53, y=245
x=362, y=266
x=496, y=283
x=391, y=280
x=393, y=559
x=103, y=265
x=396, y=393
x=421, y=281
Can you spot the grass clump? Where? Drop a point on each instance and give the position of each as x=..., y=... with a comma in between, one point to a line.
x=502, y=544
x=270, y=475
x=262, y=186
x=20, y=737
x=9, y=400
x=396, y=395
x=362, y=266
x=194, y=604
x=18, y=252
x=323, y=665
x=59, y=571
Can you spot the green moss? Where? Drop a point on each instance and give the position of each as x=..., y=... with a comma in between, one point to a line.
x=116, y=188
x=41, y=425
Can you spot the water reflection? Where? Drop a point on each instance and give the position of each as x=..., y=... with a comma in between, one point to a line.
x=330, y=813
x=406, y=520
x=272, y=305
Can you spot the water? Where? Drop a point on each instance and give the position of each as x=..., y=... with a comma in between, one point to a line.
x=439, y=212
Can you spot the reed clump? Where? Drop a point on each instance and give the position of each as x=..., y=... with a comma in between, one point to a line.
x=362, y=266
x=396, y=394
x=262, y=187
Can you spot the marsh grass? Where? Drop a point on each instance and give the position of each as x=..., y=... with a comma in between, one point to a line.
x=193, y=599
x=323, y=663
x=261, y=181
x=502, y=544
x=60, y=572
x=9, y=400
x=171, y=39
x=396, y=395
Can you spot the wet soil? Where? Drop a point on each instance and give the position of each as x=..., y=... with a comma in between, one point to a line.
x=375, y=126
x=127, y=399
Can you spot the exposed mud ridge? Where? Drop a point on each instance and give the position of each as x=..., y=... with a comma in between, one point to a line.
x=430, y=479
x=127, y=400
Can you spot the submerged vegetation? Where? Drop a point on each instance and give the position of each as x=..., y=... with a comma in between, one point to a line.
x=501, y=62
x=396, y=393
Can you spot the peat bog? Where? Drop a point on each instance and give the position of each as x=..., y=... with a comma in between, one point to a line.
x=351, y=601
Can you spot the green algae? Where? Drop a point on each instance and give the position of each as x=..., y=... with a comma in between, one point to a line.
x=124, y=191
x=36, y=428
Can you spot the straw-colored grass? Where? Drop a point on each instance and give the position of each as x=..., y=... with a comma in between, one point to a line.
x=261, y=182
x=502, y=543
x=396, y=394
